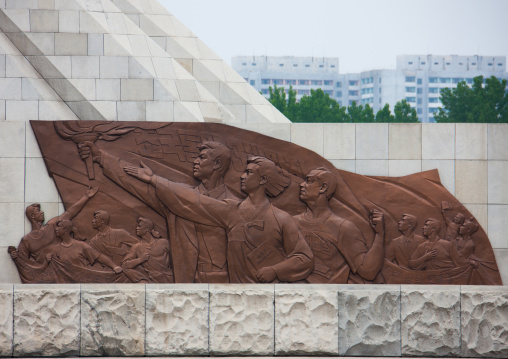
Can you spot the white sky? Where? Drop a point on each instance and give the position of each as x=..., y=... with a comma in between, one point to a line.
x=364, y=34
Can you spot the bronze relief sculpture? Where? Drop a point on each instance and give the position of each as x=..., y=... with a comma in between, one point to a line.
x=210, y=203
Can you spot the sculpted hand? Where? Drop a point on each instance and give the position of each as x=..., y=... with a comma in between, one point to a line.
x=144, y=173
x=90, y=192
x=145, y=256
x=430, y=254
x=266, y=275
x=473, y=264
x=86, y=148
x=14, y=254
x=118, y=270
x=49, y=257
x=377, y=222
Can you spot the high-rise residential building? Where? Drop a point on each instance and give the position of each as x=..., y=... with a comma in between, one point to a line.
x=417, y=78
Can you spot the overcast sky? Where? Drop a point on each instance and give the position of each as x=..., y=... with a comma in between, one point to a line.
x=363, y=34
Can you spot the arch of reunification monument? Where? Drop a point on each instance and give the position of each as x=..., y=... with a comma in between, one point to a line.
x=154, y=204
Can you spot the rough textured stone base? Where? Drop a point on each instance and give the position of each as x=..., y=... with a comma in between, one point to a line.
x=369, y=320
x=46, y=320
x=484, y=322
x=176, y=319
x=241, y=319
x=6, y=320
x=306, y=321
x=112, y=320
x=430, y=318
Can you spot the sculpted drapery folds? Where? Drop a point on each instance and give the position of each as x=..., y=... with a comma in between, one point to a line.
x=231, y=205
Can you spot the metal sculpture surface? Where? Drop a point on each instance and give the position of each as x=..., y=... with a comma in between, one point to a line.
x=210, y=203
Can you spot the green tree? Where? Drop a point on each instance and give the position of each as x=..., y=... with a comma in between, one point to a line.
x=360, y=114
x=385, y=115
x=477, y=103
x=287, y=106
x=319, y=107
x=404, y=113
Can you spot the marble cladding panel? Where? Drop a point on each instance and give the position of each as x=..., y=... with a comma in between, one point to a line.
x=46, y=320
x=241, y=319
x=484, y=322
x=308, y=135
x=176, y=319
x=112, y=320
x=6, y=319
x=372, y=141
x=306, y=320
x=369, y=320
x=405, y=141
x=430, y=320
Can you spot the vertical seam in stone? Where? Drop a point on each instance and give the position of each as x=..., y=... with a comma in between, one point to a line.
x=274, y=320
x=144, y=340
x=208, y=319
x=400, y=317
x=80, y=318
x=460, y=321
x=12, y=347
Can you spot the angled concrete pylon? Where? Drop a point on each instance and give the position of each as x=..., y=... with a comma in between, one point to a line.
x=128, y=60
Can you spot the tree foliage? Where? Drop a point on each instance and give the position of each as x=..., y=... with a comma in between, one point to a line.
x=320, y=107
x=478, y=103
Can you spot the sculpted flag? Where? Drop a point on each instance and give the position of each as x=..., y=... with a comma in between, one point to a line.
x=170, y=150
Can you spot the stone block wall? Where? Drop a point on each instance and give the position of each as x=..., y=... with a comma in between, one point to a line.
x=253, y=320
x=472, y=160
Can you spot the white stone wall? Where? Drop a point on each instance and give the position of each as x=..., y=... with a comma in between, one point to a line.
x=472, y=160
x=250, y=320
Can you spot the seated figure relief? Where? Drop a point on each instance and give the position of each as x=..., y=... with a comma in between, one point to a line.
x=209, y=203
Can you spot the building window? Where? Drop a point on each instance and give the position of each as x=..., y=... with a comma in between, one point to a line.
x=281, y=65
x=353, y=93
x=431, y=119
x=340, y=103
x=419, y=111
x=380, y=90
x=252, y=82
x=419, y=91
x=419, y=81
x=410, y=79
x=436, y=63
x=338, y=85
x=367, y=90
x=456, y=80
x=490, y=63
x=433, y=80
x=448, y=63
x=244, y=64
x=432, y=109
x=423, y=62
x=328, y=82
x=264, y=91
x=316, y=82
x=419, y=101
x=469, y=81
x=338, y=94
x=303, y=82
x=321, y=66
x=353, y=82
x=307, y=65
x=411, y=99
x=410, y=89
x=433, y=100
x=303, y=92
x=410, y=63
x=332, y=66
x=329, y=92
x=266, y=81
x=290, y=82
x=473, y=63
x=253, y=64
x=433, y=90
x=278, y=82
x=445, y=80
x=499, y=64
x=380, y=80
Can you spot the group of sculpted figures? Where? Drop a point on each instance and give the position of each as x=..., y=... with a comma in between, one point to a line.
x=215, y=237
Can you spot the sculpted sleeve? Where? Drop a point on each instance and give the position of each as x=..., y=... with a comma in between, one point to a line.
x=113, y=168
x=189, y=204
x=299, y=258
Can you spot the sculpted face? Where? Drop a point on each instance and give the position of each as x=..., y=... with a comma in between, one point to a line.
x=59, y=229
x=97, y=221
x=142, y=229
x=249, y=180
x=203, y=165
x=404, y=224
x=310, y=188
x=459, y=218
x=38, y=215
x=428, y=228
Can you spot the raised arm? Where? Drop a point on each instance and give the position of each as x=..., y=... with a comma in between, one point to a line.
x=184, y=201
x=76, y=207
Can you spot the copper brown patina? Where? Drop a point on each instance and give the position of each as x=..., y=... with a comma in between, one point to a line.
x=210, y=203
